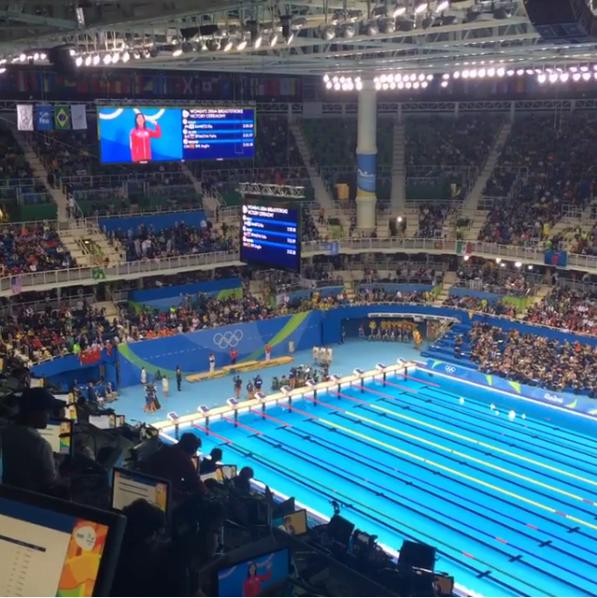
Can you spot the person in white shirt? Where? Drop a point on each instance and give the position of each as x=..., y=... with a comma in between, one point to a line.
x=165, y=385
x=212, y=364
x=143, y=376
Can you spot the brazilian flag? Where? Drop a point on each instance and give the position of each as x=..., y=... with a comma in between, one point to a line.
x=62, y=118
x=98, y=274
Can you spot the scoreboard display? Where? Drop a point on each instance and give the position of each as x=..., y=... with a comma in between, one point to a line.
x=142, y=134
x=218, y=133
x=270, y=236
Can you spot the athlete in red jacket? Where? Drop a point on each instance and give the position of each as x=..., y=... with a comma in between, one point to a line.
x=141, y=138
x=252, y=584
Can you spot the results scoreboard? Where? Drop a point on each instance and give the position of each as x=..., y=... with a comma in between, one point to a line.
x=218, y=133
x=270, y=236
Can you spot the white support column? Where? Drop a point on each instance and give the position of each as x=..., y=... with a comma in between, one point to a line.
x=366, y=156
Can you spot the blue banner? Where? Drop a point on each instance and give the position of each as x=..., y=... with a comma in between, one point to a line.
x=366, y=168
x=43, y=117
x=556, y=258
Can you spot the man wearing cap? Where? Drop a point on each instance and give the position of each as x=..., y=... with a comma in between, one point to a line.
x=27, y=458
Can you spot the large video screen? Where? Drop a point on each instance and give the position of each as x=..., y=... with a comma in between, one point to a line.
x=153, y=134
x=270, y=236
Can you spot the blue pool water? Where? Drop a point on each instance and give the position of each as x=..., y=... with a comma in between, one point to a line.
x=509, y=504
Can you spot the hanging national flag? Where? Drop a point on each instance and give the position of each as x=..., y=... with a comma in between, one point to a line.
x=78, y=117
x=16, y=284
x=62, y=118
x=98, y=274
x=90, y=356
x=44, y=117
x=25, y=117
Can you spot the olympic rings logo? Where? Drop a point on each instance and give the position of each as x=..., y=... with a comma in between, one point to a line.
x=228, y=339
x=450, y=369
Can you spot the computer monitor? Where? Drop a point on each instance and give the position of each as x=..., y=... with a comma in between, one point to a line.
x=105, y=421
x=228, y=472
x=294, y=524
x=128, y=486
x=50, y=547
x=284, y=508
x=340, y=529
x=221, y=474
x=59, y=433
x=255, y=576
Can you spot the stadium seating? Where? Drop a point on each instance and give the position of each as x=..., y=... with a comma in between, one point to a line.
x=541, y=169
x=31, y=248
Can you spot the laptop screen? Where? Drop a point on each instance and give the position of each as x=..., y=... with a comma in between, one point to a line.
x=128, y=486
x=54, y=548
x=59, y=433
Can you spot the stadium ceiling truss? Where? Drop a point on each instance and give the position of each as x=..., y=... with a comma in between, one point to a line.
x=299, y=37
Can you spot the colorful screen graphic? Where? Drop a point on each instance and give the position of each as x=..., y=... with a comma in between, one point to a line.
x=155, y=134
x=46, y=553
x=254, y=577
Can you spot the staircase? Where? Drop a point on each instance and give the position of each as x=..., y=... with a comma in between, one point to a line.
x=109, y=306
x=450, y=279
x=83, y=241
x=398, y=193
x=472, y=199
x=41, y=174
x=477, y=218
x=322, y=196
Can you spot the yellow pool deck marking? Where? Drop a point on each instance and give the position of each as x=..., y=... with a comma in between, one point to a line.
x=458, y=473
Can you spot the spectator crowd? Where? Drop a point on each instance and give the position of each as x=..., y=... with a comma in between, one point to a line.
x=32, y=248
x=535, y=360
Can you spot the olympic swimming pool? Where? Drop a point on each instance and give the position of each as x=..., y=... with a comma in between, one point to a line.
x=509, y=503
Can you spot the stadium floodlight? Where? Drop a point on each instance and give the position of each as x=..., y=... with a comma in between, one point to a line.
x=136, y=55
x=88, y=60
x=542, y=78
x=107, y=59
x=510, y=73
x=584, y=68
x=337, y=86
x=329, y=85
x=443, y=5
x=115, y=57
x=576, y=76
x=518, y=264
x=392, y=85
x=399, y=11
x=326, y=78
x=520, y=72
x=177, y=52
x=258, y=41
x=429, y=77
x=444, y=83
x=456, y=75
x=96, y=60
x=586, y=76
x=79, y=61
x=242, y=44
x=473, y=73
x=500, y=71
x=424, y=84
x=421, y=7
x=2, y=70
x=328, y=33
x=421, y=77
x=228, y=45
x=416, y=85
x=400, y=85
x=564, y=77
x=359, y=84
x=290, y=38
x=126, y=56
x=408, y=85
x=482, y=73
x=274, y=40
x=372, y=27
